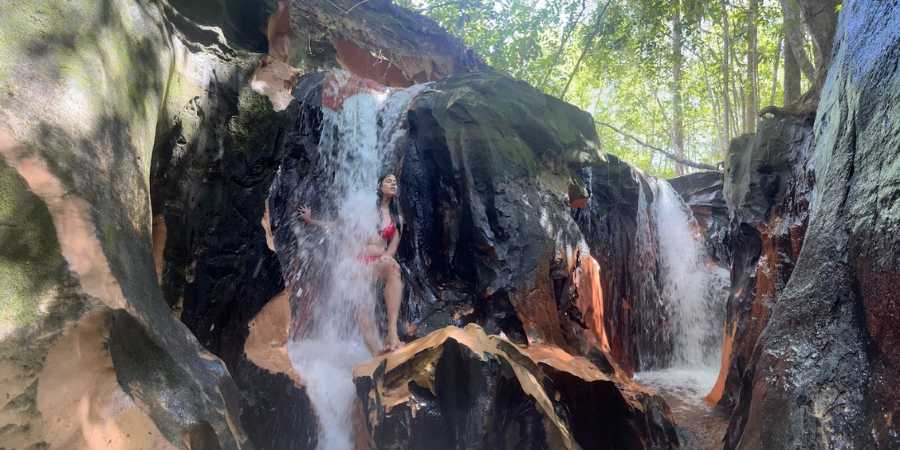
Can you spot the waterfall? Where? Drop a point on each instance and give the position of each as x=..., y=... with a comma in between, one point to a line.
x=361, y=123
x=695, y=291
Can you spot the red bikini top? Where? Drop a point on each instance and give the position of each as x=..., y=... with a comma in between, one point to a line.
x=387, y=233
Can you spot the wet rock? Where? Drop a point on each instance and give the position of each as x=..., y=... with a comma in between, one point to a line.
x=824, y=372
x=703, y=192
x=769, y=183
x=210, y=176
x=383, y=42
x=460, y=388
x=485, y=192
x=621, y=236
x=473, y=249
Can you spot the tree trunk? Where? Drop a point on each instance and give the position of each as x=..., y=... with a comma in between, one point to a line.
x=791, y=75
x=820, y=17
x=726, y=76
x=588, y=44
x=751, y=107
x=677, y=108
x=795, y=35
x=774, y=91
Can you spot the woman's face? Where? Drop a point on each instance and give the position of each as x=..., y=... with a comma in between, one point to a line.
x=388, y=186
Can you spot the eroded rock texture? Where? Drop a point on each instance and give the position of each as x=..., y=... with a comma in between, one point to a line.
x=703, y=193
x=75, y=153
x=769, y=181
x=617, y=226
x=487, y=191
x=462, y=389
x=824, y=372
x=488, y=237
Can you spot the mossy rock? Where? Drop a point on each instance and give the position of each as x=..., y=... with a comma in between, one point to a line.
x=510, y=126
x=30, y=260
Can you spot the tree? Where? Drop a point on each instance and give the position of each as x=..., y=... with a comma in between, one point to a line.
x=752, y=103
x=677, y=106
x=674, y=80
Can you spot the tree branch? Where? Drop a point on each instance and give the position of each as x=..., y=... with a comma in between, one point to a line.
x=664, y=152
x=589, y=42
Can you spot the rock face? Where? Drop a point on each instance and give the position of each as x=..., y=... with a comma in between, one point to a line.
x=490, y=238
x=467, y=198
x=824, y=372
x=486, y=196
x=769, y=181
x=460, y=388
x=703, y=192
x=75, y=155
x=617, y=226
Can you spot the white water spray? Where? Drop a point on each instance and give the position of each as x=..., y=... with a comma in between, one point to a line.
x=695, y=292
x=358, y=136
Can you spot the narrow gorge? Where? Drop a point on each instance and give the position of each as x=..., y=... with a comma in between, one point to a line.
x=162, y=291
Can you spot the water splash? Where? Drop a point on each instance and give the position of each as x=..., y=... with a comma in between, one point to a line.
x=691, y=285
x=361, y=124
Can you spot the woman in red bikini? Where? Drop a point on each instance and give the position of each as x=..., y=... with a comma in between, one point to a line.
x=379, y=254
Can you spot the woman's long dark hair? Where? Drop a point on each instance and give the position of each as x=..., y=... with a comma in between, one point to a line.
x=393, y=206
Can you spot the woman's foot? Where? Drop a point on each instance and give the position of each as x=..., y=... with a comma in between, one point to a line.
x=391, y=345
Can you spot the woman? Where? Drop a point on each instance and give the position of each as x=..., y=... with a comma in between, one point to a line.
x=379, y=253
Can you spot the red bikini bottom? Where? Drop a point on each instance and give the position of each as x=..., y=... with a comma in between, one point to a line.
x=368, y=259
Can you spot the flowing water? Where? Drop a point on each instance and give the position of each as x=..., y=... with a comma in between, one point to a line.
x=361, y=124
x=695, y=291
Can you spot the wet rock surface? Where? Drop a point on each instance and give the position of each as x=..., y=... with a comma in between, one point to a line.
x=483, y=246
x=769, y=182
x=210, y=176
x=621, y=236
x=820, y=376
x=703, y=192
x=460, y=388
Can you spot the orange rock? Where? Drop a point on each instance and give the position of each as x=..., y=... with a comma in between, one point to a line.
x=266, y=345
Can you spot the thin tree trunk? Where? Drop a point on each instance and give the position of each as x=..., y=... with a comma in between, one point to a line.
x=564, y=41
x=726, y=76
x=588, y=43
x=677, y=108
x=752, y=105
x=737, y=93
x=794, y=33
x=791, y=75
x=775, y=71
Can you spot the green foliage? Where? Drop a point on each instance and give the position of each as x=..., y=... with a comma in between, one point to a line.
x=625, y=76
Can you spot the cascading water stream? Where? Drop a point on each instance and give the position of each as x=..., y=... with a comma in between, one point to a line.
x=361, y=124
x=695, y=293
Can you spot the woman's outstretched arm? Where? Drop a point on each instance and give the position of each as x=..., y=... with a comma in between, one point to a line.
x=305, y=214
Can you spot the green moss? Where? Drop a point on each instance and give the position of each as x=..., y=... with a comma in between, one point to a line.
x=254, y=123
x=30, y=260
x=508, y=128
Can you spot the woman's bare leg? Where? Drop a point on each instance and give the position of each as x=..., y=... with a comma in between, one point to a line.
x=366, y=322
x=389, y=272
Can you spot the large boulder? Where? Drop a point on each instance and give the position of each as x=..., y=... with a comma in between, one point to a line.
x=474, y=249
x=85, y=86
x=460, y=388
x=486, y=181
x=825, y=369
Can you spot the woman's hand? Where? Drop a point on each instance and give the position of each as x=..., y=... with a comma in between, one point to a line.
x=304, y=213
